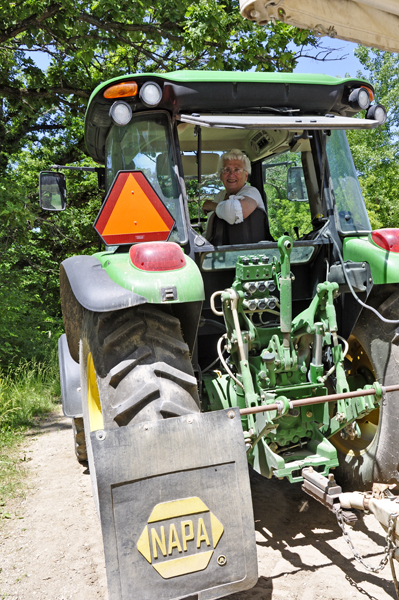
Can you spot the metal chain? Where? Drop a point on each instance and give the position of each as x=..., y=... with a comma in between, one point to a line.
x=389, y=548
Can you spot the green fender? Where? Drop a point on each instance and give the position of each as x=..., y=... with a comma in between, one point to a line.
x=158, y=287
x=384, y=264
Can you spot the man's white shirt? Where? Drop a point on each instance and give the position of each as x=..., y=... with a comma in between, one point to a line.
x=231, y=210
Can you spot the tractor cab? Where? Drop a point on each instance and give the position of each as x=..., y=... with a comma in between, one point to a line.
x=174, y=128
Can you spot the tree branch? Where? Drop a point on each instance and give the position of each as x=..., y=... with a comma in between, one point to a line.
x=45, y=128
x=20, y=93
x=322, y=54
x=143, y=27
x=32, y=21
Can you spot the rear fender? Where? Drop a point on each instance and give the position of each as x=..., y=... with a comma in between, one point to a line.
x=384, y=264
x=70, y=380
x=181, y=289
x=170, y=286
x=84, y=284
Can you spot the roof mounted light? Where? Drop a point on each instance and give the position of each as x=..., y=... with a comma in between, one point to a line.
x=378, y=113
x=122, y=90
x=121, y=113
x=360, y=98
x=150, y=94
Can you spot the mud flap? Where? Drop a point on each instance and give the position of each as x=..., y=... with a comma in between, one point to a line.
x=70, y=380
x=175, y=508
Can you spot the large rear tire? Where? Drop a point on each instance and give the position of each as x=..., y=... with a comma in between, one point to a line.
x=79, y=439
x=135, y=367
x=374, y=457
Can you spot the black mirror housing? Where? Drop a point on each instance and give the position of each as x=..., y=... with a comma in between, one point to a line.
x=52, y=190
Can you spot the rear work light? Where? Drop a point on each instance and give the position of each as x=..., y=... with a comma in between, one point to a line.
x=360, y=98
x=388, y=239
x=122, y=90
x=157, y=256
x=378, y=113
x=150, y=94
x=121, y=113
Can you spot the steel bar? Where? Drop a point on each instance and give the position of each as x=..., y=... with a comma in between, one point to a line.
x=320, y=399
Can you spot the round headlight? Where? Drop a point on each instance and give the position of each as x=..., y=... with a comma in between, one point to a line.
x=378, y=113
x=150, y=94
x=121, y=113
x=360, y=98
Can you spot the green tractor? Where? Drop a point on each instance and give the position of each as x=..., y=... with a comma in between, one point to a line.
x=195, y=347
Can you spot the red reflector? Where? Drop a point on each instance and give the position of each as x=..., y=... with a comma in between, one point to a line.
x=387, y=239
x=157, y=256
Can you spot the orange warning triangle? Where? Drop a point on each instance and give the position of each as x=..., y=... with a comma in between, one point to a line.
x=133, y=212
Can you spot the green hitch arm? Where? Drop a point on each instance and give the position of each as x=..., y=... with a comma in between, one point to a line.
x=329, y=289
x=285, y=247
x=246, y=376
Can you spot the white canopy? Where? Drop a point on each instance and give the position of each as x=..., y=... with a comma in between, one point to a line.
x=370, y=22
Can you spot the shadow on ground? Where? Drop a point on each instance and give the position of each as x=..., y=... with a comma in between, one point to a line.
x=283, y=527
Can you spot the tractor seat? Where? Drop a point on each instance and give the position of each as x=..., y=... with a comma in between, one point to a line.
x=253, y=229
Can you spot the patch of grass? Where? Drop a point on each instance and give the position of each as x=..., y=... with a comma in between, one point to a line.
x=27, y=391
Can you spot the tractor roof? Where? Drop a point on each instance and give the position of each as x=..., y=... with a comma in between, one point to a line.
x=227, y=92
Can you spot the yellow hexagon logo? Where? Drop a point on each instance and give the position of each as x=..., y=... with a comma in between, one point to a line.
x=180, y=537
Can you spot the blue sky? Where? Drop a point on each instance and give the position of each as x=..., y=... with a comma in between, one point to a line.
x=337, y=68
x=41, y=59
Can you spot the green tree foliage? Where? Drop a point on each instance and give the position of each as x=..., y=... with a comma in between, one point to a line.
x=376, y=152
x=41, y=123
x=95, y=40
x=32, y=244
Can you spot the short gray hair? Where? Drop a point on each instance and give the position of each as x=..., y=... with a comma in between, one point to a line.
x=235, y=155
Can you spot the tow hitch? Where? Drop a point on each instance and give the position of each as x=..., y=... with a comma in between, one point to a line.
x=380, y=502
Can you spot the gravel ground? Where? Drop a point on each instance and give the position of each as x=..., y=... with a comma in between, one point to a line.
x=51, y=548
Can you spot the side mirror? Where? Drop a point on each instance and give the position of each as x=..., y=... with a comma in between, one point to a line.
x=296, y=187
x=52, y=190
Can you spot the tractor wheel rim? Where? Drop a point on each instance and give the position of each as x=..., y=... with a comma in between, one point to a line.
x=369, y=424
x=93, y=397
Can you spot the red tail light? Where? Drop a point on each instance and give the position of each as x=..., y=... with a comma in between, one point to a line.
x=157, y=256
x=388, y=239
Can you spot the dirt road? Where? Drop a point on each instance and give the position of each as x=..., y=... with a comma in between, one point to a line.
x=51, y=548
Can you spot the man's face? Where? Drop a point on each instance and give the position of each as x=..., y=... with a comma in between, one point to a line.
x=232, y=181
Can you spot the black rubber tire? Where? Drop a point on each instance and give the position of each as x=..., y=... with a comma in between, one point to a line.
x=379, y=460
x=143, y=370
x=143, y=366
x=79, y=439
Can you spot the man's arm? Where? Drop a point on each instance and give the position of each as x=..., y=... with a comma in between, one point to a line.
x=248, y=205
x=209, y=205
x=235, y=209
